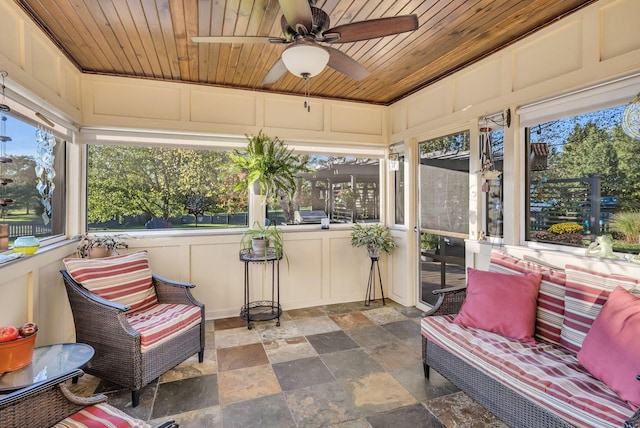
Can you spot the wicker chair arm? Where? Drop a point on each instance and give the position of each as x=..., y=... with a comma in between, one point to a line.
x=81, y=401
x=449, y=300
x=41, y=404
x=169, y=291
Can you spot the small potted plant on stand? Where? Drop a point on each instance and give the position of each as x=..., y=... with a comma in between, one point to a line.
x=94, y=246
x=376, y=238
x=428, y=246
x=259, y=238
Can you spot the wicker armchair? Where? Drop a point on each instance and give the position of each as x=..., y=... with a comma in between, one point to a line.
x=47, y=403
x=118, y=357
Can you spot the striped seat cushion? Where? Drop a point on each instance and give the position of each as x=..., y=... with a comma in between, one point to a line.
x=161, y=322
x=550, y=310
x=124, y=279
x=587, y=291
x=546, y=374
x=101, y=416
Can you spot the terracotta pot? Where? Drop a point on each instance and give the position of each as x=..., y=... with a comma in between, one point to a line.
x=99, y=252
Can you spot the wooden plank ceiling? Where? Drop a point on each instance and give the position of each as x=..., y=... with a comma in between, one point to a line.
x=152, y=39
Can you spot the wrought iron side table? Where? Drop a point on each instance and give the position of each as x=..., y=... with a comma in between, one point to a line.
x=261, y=310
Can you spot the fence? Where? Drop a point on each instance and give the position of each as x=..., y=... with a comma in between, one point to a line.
x=28, y=229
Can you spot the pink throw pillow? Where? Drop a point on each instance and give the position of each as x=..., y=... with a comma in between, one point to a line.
x=611, y=351
x=501, y=303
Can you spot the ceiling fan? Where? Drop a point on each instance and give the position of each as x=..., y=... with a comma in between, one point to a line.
x=305, y=27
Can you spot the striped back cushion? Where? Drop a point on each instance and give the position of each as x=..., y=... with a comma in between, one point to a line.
x=550, y=311
x=587, y=292
x=124, y=279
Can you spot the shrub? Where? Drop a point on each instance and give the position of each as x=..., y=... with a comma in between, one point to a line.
x=627, y=224
x=561, y=228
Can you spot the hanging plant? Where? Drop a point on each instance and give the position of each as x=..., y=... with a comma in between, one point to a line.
x=268, y=163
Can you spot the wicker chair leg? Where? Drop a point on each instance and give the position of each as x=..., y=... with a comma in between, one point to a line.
x=135, y=398
x=201, y=356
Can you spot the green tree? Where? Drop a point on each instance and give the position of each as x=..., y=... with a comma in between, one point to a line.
x=23, y=189
x=629, y=169
x=153, y=181
x=589, y=151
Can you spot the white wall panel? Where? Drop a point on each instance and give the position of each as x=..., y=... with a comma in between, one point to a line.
x=620, y=28
x=357, y=119
x=289, y=113
x=430, y=104
x=556, y=54
x=223, y=108
x=136, y=101
x=480, y=84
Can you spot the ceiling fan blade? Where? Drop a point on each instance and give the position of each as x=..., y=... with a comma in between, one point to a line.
x=297, y=12
x=371, y=29
x=276, y=72
x=238, y=39
x=346, y=65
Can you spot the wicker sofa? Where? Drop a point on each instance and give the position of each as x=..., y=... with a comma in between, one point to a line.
x=50, y=402
x=539, y=384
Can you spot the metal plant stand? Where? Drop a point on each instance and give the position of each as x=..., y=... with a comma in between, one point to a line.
x=371, y=286
x=262, y=310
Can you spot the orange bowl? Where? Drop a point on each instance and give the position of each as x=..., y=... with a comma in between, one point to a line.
x=16, y=354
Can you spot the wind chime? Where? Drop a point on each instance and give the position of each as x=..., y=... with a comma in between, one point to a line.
x=4, y=160
x=487, y=167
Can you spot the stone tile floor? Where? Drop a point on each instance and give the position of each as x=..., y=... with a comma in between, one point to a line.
x=343, y=365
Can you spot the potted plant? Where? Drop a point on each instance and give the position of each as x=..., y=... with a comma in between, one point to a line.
x=267, y=166
x=375, y=237
x=96, y=246
x=259, y=237
x=428, y=245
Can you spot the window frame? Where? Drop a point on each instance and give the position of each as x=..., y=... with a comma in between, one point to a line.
x=601, y=96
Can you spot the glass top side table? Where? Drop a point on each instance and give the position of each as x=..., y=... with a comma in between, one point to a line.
x=48, y=362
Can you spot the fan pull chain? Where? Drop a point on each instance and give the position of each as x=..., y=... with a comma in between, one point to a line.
x=307, y=104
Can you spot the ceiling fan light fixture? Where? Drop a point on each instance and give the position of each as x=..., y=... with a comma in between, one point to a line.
x=305, y=59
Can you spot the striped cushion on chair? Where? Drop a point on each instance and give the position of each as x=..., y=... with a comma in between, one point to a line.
x=124, y=279
x=550, y=311
x=101, y=416
x=587, y=292
x=159, y=323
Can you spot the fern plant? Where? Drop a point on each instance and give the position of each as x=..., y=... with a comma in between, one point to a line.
x=269, y=163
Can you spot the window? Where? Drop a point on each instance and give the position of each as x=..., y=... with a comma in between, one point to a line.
x=346, y=189
x=492, y=185
x=33, y=180
x=132, y=187
x=398, y=182
x=584, y=180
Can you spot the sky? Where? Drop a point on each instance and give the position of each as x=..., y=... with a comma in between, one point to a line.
x=23, y=137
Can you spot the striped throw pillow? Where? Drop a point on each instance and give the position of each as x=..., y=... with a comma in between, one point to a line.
x=124, y=279
x=550, y=310
x=100, y=416
x=587, y=291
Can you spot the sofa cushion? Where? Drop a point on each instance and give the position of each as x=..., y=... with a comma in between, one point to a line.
x=501, y=303
x=586, y=292
x=101, y=416
x=550, y=311
x=124, y=279
x=611, y=351
x=161, y=322
x=547, y=374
